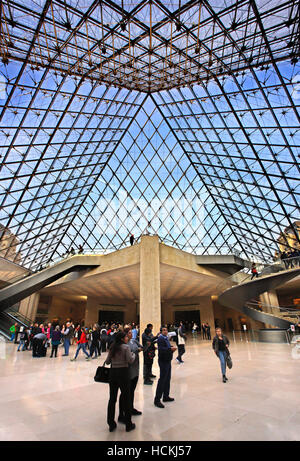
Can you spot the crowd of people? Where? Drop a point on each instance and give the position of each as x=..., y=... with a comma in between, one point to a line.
x=291, y=258
x=123, y=344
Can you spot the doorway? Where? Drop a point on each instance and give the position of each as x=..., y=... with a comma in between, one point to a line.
x=188, y=317
x=110, y=317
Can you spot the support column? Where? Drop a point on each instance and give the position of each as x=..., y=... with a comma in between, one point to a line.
x=91, y=311
x=28, y=306
x=269, y=298
x=150, y=298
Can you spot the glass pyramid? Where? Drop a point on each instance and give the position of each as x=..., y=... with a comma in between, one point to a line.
x=179, y=119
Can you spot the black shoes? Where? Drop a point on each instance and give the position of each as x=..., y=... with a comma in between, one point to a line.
x=158, y=404
x=224, y=379
x=112, y=426
x=152, y=376
x=130, y=427
x=148, y=382
x=168, y=399
x=135, y=412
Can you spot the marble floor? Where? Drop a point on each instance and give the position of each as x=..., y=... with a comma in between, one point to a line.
x=55, y=399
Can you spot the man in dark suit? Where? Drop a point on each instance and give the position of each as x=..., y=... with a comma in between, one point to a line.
x=165, y=355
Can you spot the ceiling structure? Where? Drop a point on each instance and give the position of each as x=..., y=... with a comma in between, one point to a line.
x=179, y=118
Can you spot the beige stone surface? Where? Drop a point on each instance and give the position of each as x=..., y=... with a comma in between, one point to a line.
x=150, y=297
x=261, y=400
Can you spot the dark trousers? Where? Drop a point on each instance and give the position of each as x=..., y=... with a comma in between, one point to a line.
x=133, y=383
x=35, y=346
x=95, y=347
x=147, y=369
x=204, y=334
x=181, y=351
x=103, y=345
x=54, y=350
x=163, y=385
x=119, y=379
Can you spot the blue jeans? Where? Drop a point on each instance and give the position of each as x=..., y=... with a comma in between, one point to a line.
x=12, y=336
x=222, y=356
x=22, y=343
x=67, y=346
x=81, y=346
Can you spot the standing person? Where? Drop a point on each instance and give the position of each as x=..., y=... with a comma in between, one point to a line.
x=23, y=336
x=55, y=340
x=103, y=338
x=134, y=332
x=181, y=342
x=67, y=333
x=203, y=331
x=119, y=356
x=134, y=368
x=220, y=345
x=149, y=353
x=81, y=344
x=165, y=355
x=208, y=330
x=131, y=239
x=95, y=342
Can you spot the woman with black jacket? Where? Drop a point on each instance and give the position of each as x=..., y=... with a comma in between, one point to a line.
x=220, y=345
x=119, y=357
x=95, y=342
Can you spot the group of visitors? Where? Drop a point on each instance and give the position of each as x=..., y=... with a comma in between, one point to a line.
x=291, y=258
x=122, y=343
x=204, y=329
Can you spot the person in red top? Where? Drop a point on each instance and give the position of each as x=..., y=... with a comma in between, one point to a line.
x=81, y=344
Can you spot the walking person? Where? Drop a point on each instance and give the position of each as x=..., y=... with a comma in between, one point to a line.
x=13, y=331
x=165, y=355
x=194, y=329
x=55, y=340
x=134, y=369
x=119, y=357
x=220, y=345
x=81, y=344
x=181, y=342
x=254, y=271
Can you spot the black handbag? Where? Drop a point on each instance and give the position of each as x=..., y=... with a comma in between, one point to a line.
x=229, y=361
x=102, y=374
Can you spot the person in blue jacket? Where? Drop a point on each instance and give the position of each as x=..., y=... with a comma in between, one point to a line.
x=165, y=355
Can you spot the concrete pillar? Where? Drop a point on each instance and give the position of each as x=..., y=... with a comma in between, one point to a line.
x=207, y=313
x=28, y=306
x=91, y=311
x=150, y=298
x=269, y=298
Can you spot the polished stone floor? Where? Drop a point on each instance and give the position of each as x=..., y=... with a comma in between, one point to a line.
x=55, y=399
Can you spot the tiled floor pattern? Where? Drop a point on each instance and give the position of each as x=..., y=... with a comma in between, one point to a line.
x=55, y=399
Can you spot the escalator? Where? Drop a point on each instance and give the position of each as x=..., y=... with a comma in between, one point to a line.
x=238, y=297
x=21, y=289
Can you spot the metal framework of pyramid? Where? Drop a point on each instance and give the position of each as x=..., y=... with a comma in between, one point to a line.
x=176, y=118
